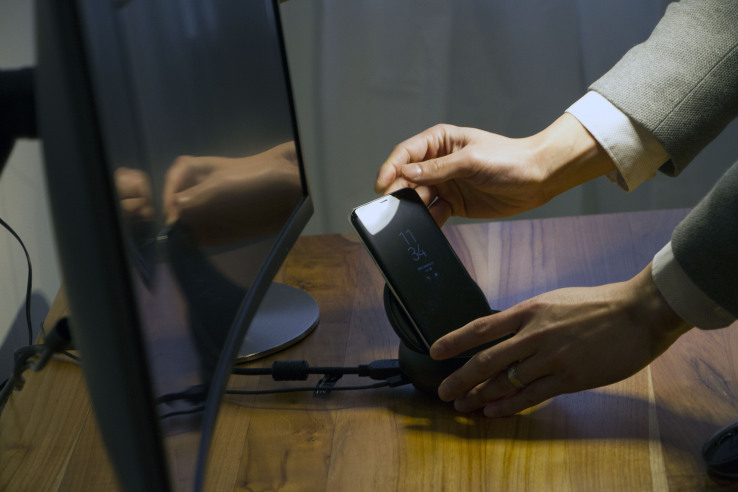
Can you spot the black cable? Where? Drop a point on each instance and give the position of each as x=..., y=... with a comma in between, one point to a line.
x=22, y=361
x=35, y=357
x=29, y=283
x=20, y=365
x=382, y=384
x=298, y=370
x=56, y=342
x=386, y=370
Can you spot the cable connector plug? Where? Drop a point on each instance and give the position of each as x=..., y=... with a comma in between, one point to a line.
x=290, y=370
x=381, y=369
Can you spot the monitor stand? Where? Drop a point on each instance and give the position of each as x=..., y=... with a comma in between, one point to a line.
x=285, y=316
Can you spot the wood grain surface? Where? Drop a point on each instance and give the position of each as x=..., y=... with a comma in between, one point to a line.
x=644, y=433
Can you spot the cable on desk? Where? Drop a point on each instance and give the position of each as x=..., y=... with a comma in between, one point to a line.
x=385, y=370
x=298, y=370
x=35, y=357
x=57, y=341
x=382, y=384
x=29, y=281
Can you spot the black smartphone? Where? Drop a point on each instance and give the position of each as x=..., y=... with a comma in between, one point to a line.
x=419, y=266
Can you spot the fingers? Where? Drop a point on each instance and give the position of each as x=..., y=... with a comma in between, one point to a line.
x=484, y=378
x=411, y=150
x=435, y=142
x=526, y=383
x=427, y=173
x=174, y=182
x=185, y=172
x=483, y=369
x=385, y=177
x=438, y=170
x=134, y=192
x=137, y=208
x=478, y=381
x=495, y=387
x=476, y=333
x=537, y=392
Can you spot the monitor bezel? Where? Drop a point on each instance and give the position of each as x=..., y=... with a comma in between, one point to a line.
x=87, y=223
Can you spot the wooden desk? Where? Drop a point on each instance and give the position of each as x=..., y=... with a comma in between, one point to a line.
x=644, y=433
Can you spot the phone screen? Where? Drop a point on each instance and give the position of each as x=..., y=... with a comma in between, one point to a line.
x=419, y=265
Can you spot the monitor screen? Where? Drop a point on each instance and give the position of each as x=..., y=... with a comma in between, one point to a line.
x=177, y=188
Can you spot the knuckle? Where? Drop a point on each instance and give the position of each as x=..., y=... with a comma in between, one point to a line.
x=441, y=127
x=437, y=166
x=482, y=358
x=478, y=329
x=536, y=304
x=398, y=149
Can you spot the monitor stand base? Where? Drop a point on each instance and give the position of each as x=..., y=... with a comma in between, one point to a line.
x=285, y=317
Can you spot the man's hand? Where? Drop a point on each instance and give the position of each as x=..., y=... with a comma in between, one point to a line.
x=134, y=191
x=473, y=173
x=225, y=200
x=564, y=341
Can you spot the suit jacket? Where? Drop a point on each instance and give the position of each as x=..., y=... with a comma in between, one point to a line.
x=682, y=85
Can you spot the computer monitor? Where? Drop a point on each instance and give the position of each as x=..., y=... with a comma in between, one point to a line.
x=177, y=188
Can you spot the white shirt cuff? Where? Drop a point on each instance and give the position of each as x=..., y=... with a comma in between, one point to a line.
x=683, y=296
x=634, y=150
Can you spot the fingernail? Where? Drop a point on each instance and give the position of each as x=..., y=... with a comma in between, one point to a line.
x=412, y=171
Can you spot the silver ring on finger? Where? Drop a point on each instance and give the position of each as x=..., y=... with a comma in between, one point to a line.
x=512, y=376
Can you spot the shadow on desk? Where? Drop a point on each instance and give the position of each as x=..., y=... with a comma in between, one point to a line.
x=587, y=415
x=619, y=428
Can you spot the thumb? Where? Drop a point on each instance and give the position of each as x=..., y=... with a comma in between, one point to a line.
x=435, y=171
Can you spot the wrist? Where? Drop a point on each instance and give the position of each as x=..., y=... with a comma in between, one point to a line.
x=568, y=155
x=656, y=313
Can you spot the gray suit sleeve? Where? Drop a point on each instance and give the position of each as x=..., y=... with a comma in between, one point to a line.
x=705, y=244
x=682, y=83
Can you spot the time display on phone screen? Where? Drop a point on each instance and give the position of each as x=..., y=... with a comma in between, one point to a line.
x=424, y=265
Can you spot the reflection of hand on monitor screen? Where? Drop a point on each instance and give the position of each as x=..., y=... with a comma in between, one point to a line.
x=223, y=200
x=134, y=191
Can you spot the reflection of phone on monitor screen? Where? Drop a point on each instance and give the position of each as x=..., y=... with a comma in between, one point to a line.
x=419, y=265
